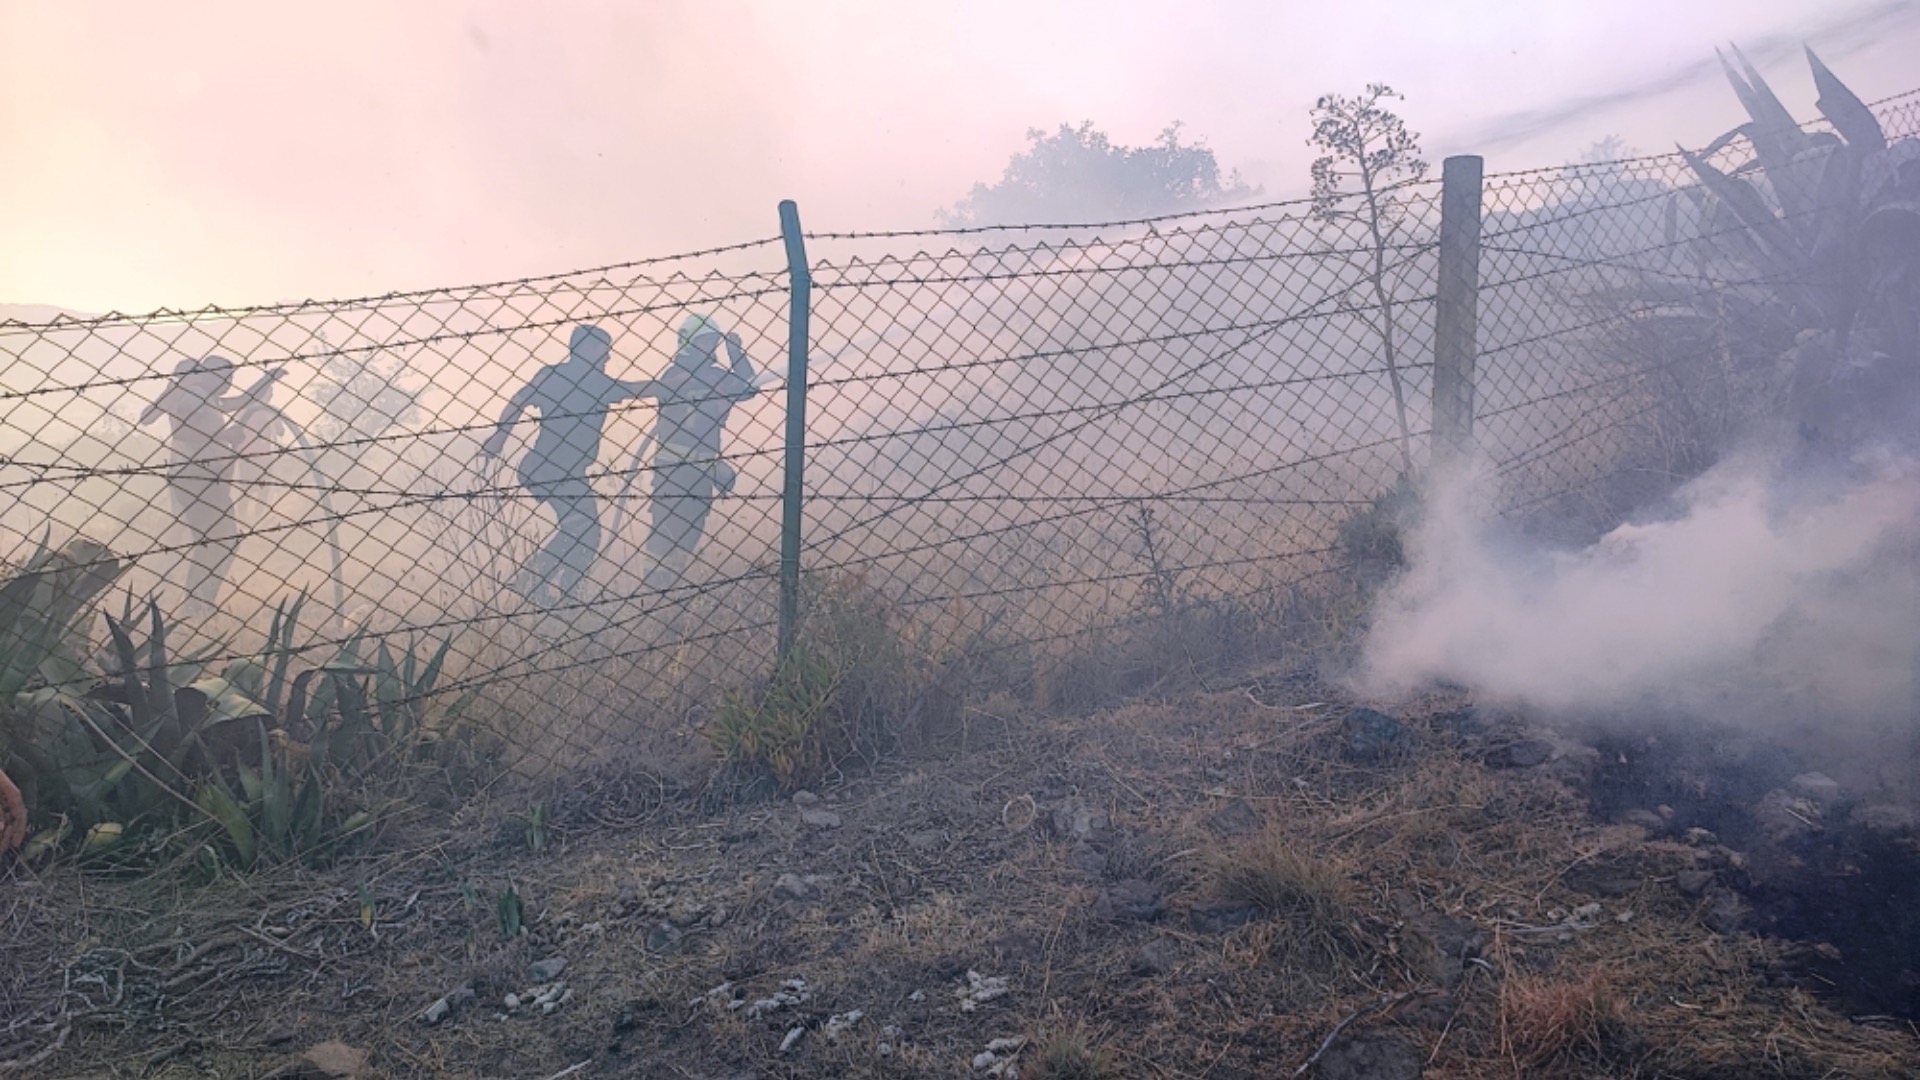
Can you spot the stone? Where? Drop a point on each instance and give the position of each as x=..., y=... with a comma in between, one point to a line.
x=805, y=799
x=1646, y=819
x=1693, y=882
x=1220, y=916
x=1886, y=819
x=1786, y=818
x=449, y=1005
x=1086, y=858
x=1523, y=754
x=1726, y=912
x=1154, y=958
x=545, y=971
x=1817, y=786
x=1371, y=737
x=820, y=819
x=1438, y=946
x=1132, y=900
x=1237, y=818
x=794, y=887
x=664, y=937
x=926, y=839
x=1075, y=820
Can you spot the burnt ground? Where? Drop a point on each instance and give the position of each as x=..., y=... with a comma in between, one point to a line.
x=1230, y=884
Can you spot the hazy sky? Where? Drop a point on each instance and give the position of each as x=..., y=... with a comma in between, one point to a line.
x=193, y=152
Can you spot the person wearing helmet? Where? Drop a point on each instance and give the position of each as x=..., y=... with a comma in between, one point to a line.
x=208, y=433
x=696, y=395
x=572, y=398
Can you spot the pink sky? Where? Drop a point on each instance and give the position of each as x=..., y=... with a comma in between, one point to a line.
x=235, y=153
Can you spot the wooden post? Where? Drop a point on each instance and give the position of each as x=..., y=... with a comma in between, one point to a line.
x=800, y=289
x=1456, y=310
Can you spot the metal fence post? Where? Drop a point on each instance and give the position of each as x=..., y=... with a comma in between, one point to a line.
x=1456, y=309
x=800, y=284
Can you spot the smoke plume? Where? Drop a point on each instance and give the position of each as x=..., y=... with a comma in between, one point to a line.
x=1765, y=598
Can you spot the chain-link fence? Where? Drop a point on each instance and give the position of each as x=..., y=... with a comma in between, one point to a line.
x=1016, y=441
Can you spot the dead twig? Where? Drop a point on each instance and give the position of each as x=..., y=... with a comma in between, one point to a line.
x=1384, y=1001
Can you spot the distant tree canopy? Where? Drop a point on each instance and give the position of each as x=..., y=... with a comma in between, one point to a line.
x=1078, y=174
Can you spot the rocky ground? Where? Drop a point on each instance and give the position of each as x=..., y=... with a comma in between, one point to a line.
x=1258, y=880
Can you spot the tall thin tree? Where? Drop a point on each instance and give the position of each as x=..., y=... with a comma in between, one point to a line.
x=1370, y=157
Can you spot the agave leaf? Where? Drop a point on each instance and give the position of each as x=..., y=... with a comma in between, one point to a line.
x=297, y=699
x=251, y=785
x=308, y=812
x=280, y=645
x=1772, y=121
x=390, y=691
x=249, y=675
x=221, y=807
x=430, y=676
x=1752, y=211
x=1844, y=109
x=508, y=911
x=408, y=668
x=133, y=693
x=350, y=703
x=159, y=679
x=461, y=704
x=220, y=701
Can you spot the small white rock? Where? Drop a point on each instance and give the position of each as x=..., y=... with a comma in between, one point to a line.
x=793, y=1037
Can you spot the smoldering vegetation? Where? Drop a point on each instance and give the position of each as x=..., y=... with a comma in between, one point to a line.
x=1754, y=565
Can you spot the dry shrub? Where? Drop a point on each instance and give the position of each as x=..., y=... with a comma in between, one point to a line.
x=1073, y=1053
x=1546, y=1019
x=1275, y=873
x=844, y=691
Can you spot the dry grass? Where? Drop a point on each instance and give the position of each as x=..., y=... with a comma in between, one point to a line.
x=1552, y=1019
x=1274, y=872
x=1073, y=1052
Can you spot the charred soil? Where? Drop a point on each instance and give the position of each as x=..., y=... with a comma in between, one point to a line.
x=1232, y=883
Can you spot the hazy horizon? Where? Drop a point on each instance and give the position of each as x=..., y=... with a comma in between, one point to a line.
x=267, y=156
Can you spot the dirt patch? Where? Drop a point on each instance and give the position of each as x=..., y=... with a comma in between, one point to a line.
x=1225, y=884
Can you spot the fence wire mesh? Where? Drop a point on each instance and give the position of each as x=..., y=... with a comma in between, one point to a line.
x=1016, y=439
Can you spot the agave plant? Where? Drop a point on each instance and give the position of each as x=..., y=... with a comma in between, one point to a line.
x=276, y=764
x=1828, y=222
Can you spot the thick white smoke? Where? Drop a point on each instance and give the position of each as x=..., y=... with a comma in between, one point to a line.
x=1766, y=600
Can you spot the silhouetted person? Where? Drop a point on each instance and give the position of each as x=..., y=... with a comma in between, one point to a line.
x=208, y=431
x=696, y=395
x=572, y=398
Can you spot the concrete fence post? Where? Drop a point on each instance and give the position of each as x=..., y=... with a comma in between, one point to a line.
x=1456, y=310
